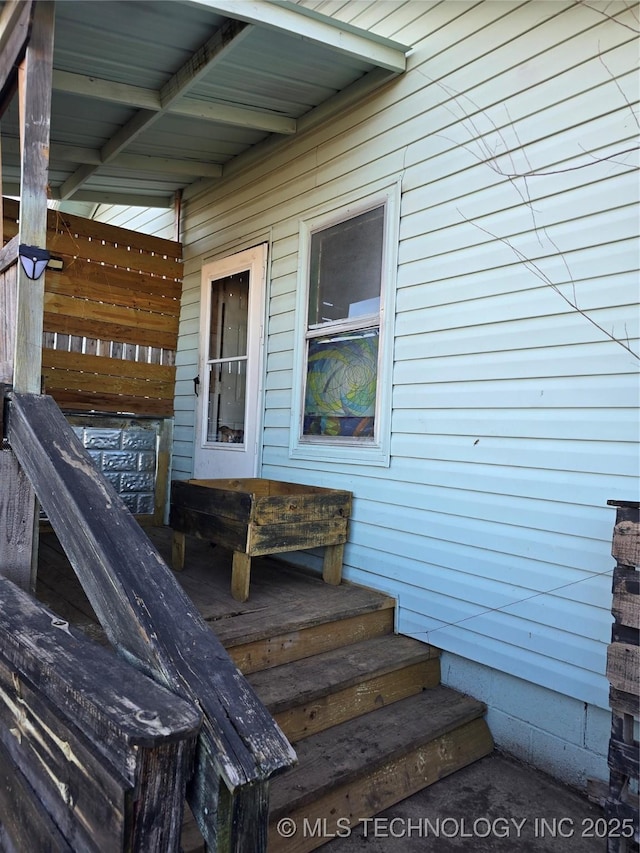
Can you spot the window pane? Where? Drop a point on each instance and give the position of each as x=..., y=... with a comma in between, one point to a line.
x=340, y=395
x=229, y=316
x=345, y=270
x=227, y=358
x=226, y=404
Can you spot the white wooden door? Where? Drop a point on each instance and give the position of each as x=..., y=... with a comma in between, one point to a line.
x=231, y=339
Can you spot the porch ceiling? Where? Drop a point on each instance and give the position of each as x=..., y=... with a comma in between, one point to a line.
x=152, y=96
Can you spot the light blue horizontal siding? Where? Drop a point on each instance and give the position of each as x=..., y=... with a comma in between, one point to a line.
x=572, y=425
x=515, y=417
x=159, y=222
x=551, y=672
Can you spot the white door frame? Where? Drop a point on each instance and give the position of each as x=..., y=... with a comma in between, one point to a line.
x=217, y=460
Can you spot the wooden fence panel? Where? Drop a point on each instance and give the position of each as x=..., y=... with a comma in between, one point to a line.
x=110, y=316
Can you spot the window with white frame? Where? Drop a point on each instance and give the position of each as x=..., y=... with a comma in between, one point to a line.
x=342, y=410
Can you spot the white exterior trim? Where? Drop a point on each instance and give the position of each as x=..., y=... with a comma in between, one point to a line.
x=378, y=452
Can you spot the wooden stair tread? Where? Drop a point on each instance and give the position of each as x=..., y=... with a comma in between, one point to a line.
x=355, y=748
x=301, y=681
x=331, y=604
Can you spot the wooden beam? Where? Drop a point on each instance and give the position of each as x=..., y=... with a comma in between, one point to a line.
x=15, y=23
x=150, y=99
x=136, y=199
x=235, y=116
x=168, y=167
x=35, y=121
x=307, y=25
x=8, y=293
x=17, y=523
x=135, y=162
x=17, y=502
x=24, y=823
x=18, y=512
x=9, y=254
x=146, y=614
x=215, y=49
x=163, y=470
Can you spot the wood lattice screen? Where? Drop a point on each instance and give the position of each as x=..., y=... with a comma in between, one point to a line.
x=111, y=316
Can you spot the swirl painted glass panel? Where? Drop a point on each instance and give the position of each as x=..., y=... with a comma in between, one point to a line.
x=340, y=396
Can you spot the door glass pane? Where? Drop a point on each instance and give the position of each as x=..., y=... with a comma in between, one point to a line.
x=229, y=316
x=228, y=358
x=226, y=404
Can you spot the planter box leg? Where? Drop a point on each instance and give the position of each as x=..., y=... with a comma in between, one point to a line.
x=240, y=575
x=177, y=551
x=332, y=565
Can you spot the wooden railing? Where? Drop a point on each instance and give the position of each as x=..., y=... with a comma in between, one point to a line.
x=154, y=626
x=8, y=294
x=93, y=755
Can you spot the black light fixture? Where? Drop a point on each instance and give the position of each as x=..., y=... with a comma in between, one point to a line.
x=33, y=260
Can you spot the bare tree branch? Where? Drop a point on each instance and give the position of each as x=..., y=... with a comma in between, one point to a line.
x=536, y=270
x=628, y=8
x=487, y=155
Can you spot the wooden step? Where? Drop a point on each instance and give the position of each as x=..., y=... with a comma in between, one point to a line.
x=339, y=616
x=310, y=695
x=361, y=767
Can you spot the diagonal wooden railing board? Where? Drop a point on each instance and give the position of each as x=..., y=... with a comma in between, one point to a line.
x=153, y=624
x=93, y=751
x=14, y=37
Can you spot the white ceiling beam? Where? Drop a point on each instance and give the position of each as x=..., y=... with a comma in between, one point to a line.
x=213, y=51
x=166, y=165
x=352, y=95
x=122, y=198
x=149, y=99
x=235, y=116
x=296, y=21
x=105, y=90
x=135, y=162
x=66, y=153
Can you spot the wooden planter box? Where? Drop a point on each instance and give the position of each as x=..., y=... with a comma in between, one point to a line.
x=253, y=517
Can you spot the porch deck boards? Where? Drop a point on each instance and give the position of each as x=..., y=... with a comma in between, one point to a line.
x=284, y=600
x=354, y=698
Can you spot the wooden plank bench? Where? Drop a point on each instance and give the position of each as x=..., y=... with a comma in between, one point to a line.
x=254, y=517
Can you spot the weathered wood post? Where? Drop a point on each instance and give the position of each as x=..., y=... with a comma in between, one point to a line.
x=93, y=755
x=26, y=38
x=623, y=672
